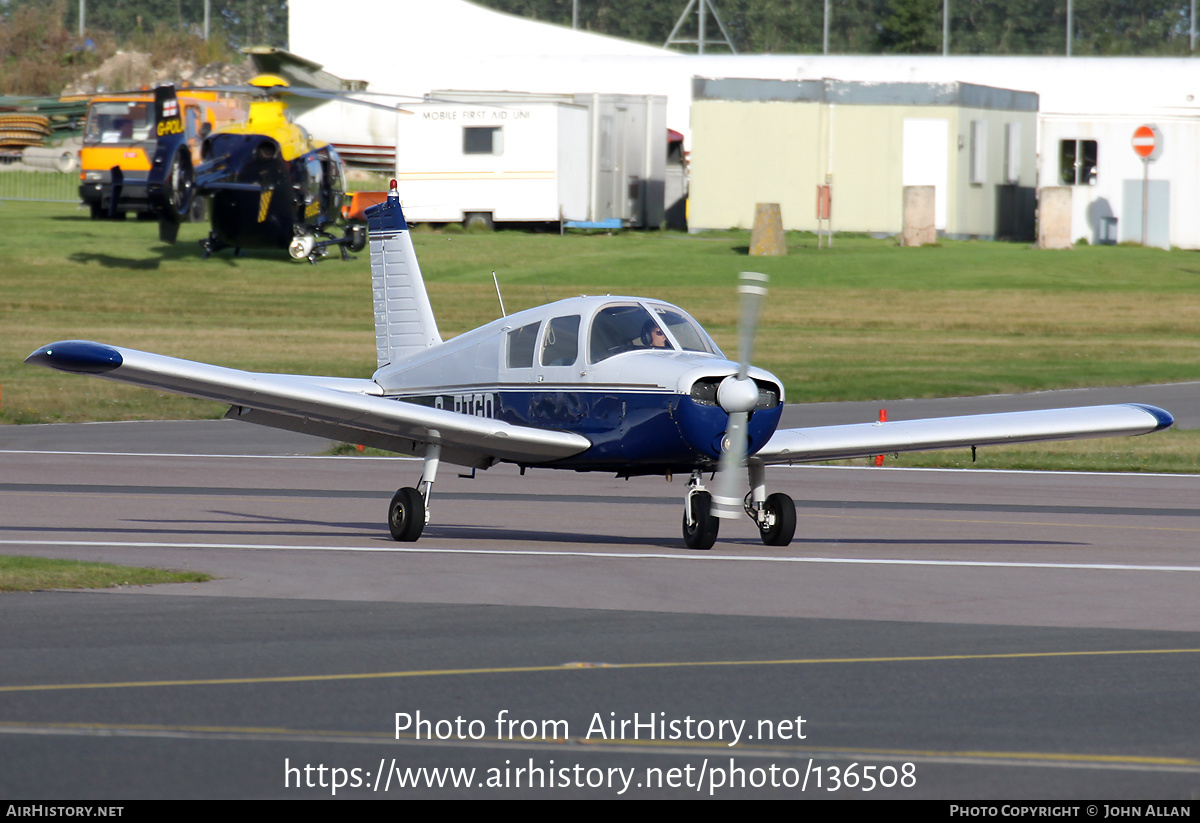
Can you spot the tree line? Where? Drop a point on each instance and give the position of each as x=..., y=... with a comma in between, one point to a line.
x=1100, y=27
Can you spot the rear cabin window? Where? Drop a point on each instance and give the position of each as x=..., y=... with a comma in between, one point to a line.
x=521, y=345
x=560, y=347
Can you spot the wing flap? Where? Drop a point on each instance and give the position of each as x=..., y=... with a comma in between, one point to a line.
x=866, y=439
x=337, y=404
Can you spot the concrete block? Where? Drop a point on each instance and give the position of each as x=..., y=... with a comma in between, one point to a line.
x=919, y=228
x=1054, y=217
x=766, y=238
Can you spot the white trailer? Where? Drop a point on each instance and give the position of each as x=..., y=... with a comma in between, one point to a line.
x=484, y=162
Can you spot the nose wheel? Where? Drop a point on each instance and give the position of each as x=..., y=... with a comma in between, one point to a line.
x=774, y=514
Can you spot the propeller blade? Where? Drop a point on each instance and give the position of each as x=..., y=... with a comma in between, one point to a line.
x=753, y=289
x=727, y=503
x=738, y=395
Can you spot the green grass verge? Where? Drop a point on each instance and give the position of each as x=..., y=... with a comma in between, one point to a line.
x=27, y=574
x=864, y=320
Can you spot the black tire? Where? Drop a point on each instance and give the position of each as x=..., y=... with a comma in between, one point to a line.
x=704, y=533
x=177, y=187
x=781, y=532
x=406, y=515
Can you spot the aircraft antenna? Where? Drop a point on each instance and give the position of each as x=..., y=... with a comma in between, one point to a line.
x=496, y=280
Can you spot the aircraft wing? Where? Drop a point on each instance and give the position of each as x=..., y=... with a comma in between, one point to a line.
x=866, y=439
x=338, y=408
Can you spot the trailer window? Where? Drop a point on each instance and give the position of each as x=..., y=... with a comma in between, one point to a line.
x=483, y=140
x=1077, y=162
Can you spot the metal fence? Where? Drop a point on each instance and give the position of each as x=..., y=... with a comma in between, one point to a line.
x=39, y=186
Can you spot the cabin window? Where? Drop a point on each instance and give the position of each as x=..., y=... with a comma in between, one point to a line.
x=483, y=140
x=1077, y=162
x=521, y=345
x=560, y=347
x=618, y=329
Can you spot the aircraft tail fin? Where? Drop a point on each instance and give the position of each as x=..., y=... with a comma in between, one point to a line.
x=404, y=321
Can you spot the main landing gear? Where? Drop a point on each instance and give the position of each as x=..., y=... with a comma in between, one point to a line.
x=409, y=510
x=775, y=514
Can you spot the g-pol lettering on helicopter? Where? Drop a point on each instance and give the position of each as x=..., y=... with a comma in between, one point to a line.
x=617, y=384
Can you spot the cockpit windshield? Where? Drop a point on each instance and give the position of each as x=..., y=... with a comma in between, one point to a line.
x=617, y=329
x=629, y=327
x=685, y=330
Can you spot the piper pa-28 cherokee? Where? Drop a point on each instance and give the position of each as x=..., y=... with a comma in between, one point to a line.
x=614, y=384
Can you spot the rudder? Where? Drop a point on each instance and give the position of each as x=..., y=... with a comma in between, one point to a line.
x=404, y=321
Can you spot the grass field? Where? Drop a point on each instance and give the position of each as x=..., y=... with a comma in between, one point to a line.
x=865, y=320
x=26, y=574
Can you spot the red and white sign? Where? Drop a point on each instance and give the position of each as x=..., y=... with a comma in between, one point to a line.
x=1147, y=142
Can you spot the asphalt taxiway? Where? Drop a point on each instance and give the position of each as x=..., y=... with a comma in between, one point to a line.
x=963, y=634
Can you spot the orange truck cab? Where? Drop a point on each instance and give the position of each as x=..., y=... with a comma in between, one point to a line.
x=121, y=134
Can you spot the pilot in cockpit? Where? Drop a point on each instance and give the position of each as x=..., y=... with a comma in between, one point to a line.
x=653, y=336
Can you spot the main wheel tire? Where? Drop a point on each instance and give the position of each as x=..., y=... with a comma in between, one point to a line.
x=703, y=534
x=178, y=186
x=783, y=527
x=406, y=515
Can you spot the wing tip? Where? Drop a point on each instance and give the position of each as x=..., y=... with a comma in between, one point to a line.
x=1161, y=416
x=77, y=357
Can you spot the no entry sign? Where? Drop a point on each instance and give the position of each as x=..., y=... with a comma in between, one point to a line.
x=1147, y=142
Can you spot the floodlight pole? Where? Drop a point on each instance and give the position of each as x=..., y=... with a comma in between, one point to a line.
x=945, y=28
x=82, y=17
x=1070, y=24
x=825, y=29
x=706, y=6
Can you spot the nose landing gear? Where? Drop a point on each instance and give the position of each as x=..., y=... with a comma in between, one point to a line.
x=775, y=514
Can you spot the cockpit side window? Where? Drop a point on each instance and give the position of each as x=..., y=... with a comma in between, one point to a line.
x=618, y=329
x=560, y=347
x=521, y=345
x=684, y=330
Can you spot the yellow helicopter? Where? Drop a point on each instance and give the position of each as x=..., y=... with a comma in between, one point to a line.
x=271, y=184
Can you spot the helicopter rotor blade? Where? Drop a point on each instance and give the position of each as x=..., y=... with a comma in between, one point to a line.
x=738, y=395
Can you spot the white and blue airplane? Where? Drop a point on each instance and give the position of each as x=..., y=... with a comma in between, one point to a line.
x=614, y=384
